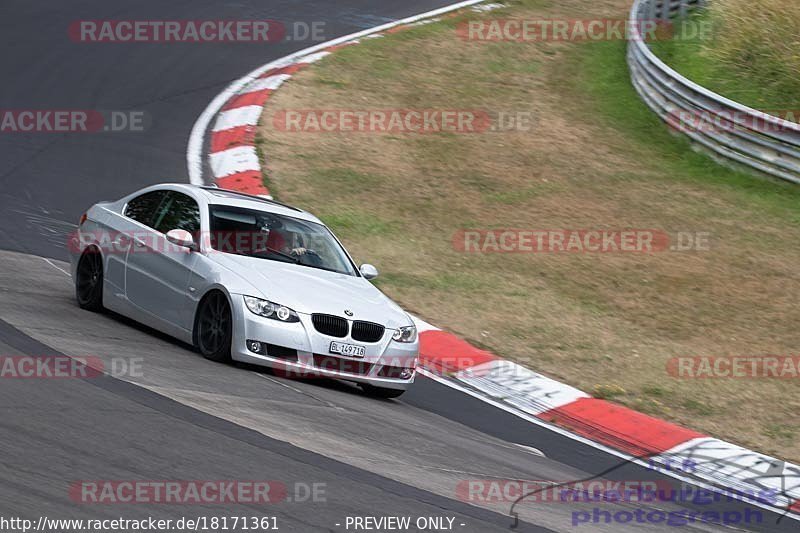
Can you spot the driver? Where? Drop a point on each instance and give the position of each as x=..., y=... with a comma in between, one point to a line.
x=277, y=239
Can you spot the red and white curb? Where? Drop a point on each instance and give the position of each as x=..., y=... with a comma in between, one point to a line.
x=231, y=121
x=233, y=158
x=635, y=437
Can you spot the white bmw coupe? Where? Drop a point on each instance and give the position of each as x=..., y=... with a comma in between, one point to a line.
x=245, y=278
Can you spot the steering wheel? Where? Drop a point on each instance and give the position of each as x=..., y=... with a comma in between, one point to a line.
x=312, y=256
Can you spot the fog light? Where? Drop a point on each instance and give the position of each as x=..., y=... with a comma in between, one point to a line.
x=254, y=346
x=406, y=373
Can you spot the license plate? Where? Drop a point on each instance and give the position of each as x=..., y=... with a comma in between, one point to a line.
x=350, y=350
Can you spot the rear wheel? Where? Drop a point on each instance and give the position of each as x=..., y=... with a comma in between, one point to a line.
x=215, y=328
x=89, y=281
x=380, y=392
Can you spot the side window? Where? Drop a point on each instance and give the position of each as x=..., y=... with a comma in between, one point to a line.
x=178, y=211
x=142, y=208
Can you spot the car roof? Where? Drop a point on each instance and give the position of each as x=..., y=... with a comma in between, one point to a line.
x=218, y=196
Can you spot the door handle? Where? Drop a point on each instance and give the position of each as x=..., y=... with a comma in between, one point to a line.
x=138, y=243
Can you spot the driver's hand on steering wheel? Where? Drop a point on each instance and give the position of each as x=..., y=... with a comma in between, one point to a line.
x=299, y=251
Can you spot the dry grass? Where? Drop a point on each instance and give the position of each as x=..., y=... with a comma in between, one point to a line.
x=597, y=321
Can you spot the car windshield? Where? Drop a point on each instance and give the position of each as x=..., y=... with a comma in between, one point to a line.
x=276, y=237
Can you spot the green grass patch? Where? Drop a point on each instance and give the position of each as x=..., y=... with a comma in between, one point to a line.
x=695, y=59
x=655, y=391
x=608, y=392
x=456, y=283
x=780, y=431
x=357, y=224
x=599, y=73
x=345, y=179
x=700, y=408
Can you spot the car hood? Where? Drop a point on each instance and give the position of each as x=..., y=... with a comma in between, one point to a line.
x=311, y=290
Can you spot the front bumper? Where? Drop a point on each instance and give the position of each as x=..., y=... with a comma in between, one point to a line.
x=304, y=352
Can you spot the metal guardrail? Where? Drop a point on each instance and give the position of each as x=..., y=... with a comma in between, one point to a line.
x=727, y=129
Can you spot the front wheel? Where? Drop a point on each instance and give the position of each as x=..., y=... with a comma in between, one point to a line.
x=215, y=328
x=380, y=392
x=89, y=281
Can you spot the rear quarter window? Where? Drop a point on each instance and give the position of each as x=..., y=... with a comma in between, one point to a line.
x=142, y=208
x=178, y=211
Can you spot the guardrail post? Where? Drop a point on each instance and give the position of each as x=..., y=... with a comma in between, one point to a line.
x=684, y=9
x=665, y=8
x=651, y=10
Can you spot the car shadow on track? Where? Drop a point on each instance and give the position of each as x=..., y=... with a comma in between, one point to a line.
x=322, y=382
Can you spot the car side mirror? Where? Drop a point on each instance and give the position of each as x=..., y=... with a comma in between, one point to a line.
x=181, y=238
x=368, y=271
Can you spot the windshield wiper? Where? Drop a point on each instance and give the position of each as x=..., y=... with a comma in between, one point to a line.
x=298, y=260
x=293, y=259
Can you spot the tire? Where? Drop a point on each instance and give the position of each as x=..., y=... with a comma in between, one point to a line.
x=214, y=327
x=380, y=392
x=89, y=281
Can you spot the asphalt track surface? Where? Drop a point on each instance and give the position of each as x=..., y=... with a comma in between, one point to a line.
x=181, y=417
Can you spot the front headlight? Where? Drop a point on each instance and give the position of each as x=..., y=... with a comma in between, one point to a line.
x=271, y=310
x=405, y=334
